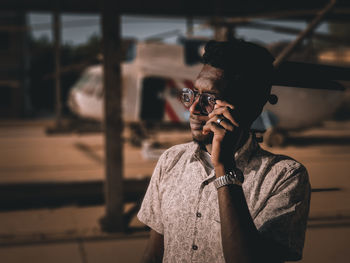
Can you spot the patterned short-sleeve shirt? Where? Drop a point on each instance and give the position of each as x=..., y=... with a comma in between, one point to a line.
x=181, y=201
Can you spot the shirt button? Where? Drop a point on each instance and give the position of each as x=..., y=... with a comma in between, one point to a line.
x=194, y=247
x=206, y=183
x=198, y=214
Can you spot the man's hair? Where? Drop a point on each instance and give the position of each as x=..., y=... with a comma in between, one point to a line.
x=248, y=72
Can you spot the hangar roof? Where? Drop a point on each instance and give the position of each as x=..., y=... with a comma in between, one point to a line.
x=174, y=7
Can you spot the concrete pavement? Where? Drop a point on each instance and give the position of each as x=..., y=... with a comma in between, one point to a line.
x=72, y=234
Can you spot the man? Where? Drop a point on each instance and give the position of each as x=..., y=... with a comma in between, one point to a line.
x=221, y=198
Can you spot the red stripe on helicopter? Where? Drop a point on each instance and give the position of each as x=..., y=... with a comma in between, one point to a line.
x=170, y=111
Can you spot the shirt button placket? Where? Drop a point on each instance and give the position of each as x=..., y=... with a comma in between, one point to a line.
x=194, y=247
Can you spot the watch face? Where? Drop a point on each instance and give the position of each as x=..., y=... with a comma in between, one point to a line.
x=239, y=175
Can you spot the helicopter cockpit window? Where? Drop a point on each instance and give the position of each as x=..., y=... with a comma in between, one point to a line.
x=88, y=83
x=152, y=102
x=82, y=81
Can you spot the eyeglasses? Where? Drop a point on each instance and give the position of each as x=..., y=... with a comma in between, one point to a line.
x=206, y=100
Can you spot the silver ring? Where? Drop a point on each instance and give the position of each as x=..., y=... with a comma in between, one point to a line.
x=219, y=120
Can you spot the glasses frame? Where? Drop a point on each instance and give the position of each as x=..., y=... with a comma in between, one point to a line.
x=201, y=102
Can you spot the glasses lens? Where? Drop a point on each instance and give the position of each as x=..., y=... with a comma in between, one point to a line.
x=207, y=103
x=187, y=97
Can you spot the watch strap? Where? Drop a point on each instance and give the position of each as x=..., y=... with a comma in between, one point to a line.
x=232, y=177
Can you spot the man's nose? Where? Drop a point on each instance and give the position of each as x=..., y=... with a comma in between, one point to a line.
x=195, y=107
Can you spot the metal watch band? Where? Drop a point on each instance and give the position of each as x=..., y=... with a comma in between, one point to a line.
x=229, y=178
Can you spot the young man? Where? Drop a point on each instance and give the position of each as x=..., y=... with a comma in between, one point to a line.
x=221, y=198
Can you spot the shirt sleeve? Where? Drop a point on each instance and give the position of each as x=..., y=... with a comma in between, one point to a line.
x=150, y=211
x=284, y=216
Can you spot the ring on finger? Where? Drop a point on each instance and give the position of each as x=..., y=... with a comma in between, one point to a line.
x=220, y=119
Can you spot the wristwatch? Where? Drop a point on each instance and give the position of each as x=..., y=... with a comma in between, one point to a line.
x=231, y=177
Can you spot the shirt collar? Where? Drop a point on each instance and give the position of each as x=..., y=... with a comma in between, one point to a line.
x=245, y=153
x=242, y=156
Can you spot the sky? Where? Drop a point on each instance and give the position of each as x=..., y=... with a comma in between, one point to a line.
x=77, y=29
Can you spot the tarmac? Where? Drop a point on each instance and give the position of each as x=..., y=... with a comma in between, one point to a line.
x=72, y=233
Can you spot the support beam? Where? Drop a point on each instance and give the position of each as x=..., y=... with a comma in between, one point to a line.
x=57, y=49
x=304, y=34
x=113, y=219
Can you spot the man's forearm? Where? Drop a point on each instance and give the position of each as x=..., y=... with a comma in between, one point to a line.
x=241, y=241
x=154, y=249
x=237, y=228
x=239, y=238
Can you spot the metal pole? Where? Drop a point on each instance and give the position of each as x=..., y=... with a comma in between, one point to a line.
x=113, y=220
x=57, y=50
x=314, y=23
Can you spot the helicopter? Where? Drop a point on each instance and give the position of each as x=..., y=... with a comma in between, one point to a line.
x=307, y=93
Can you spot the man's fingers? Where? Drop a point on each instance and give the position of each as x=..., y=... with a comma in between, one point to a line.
x=220, y=121
x=226, y=112
x=207, y=126
x=222, y=103
x=228, y=115
x=226, y=124
x=213, y=127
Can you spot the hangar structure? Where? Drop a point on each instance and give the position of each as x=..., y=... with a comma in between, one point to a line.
x=110, y=11
x=242, y=8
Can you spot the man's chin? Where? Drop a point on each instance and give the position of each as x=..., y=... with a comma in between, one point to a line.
x=201, y=138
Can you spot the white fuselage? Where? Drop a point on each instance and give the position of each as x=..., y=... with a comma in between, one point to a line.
x=296, y=108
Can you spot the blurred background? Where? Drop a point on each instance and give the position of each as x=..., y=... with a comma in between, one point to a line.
x=75, y=162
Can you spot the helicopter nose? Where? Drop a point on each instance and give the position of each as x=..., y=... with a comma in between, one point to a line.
x=72, y=103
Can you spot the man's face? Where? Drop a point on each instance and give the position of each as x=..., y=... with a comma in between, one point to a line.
x=209, y=80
